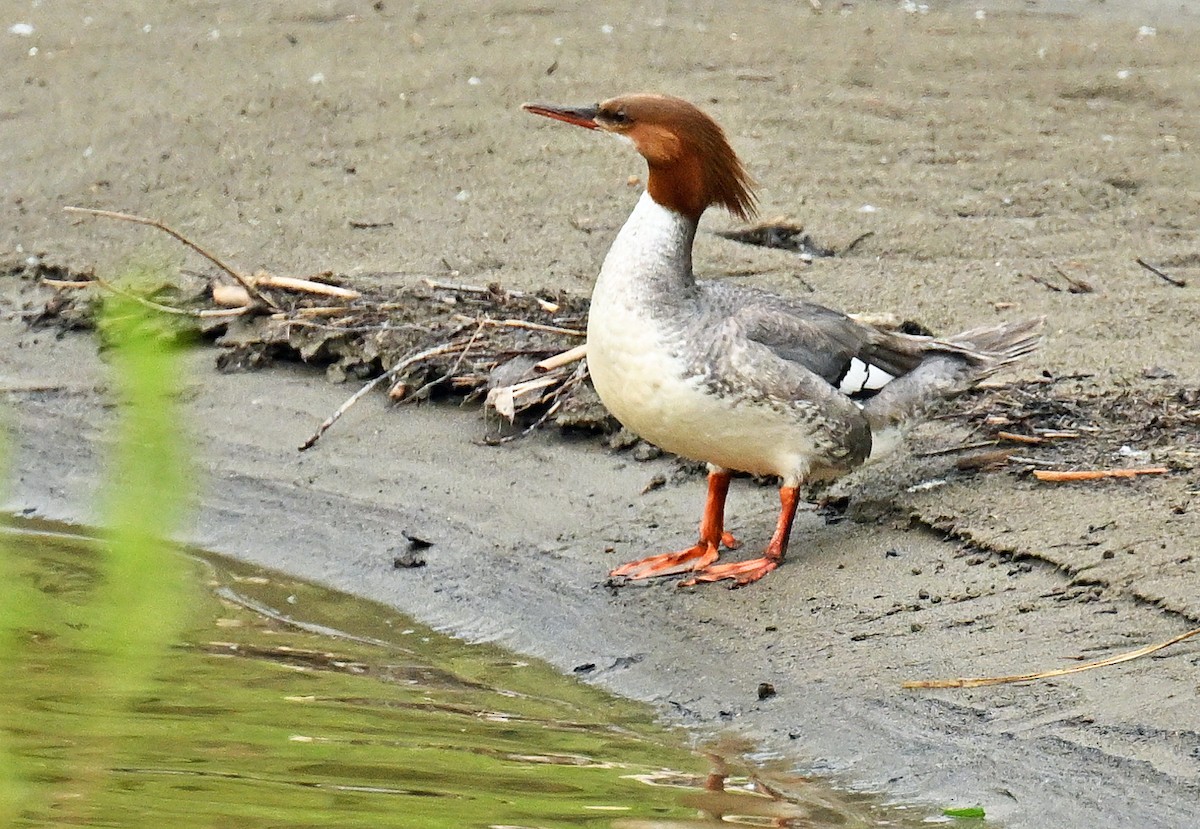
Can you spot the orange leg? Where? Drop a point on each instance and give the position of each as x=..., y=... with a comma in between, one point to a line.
x=703, y=553
x=744, y=572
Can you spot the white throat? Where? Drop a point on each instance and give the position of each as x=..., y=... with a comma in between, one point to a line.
x=652, y=254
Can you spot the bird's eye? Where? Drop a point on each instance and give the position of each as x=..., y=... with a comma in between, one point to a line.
x=616, y=116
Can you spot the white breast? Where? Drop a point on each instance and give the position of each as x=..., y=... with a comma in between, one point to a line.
x=639, y=372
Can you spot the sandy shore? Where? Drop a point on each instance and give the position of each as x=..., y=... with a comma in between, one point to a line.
x=998, y=154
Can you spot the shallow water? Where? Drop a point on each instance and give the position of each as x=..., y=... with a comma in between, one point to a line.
x=286, y=704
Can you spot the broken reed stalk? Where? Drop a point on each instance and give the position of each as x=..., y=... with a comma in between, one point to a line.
x=1013, y=437
x=977, y=682
x=68, y=283
x=444, y=348
x=1060, y=476
x=561, y=359
x=292, y=283
x=244, y=281
x=526, y=324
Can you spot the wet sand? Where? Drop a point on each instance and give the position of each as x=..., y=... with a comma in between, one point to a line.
x=993, y=150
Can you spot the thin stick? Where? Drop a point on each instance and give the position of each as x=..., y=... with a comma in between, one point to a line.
x=561, y=359
x=292, y=283
x=69, y=283
x=1058, y=476
x=1077, y=286
x=142, y=220
x=984, y=460
x=534, y=326
x=1178, y=283
x=856, y=242
x=1016, y=438
x=976, y=682
x=1045, y=283
x=452, y=286
x=444, y=348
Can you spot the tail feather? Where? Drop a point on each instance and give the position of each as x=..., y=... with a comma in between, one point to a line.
x=1000, y=345
x=948, y=367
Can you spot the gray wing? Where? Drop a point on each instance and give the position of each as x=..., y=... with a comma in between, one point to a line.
x=820, y=339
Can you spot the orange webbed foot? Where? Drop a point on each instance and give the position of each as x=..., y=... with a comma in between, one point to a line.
x=741, y=572
x=695, y=557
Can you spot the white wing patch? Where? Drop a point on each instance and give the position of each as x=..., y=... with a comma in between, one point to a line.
x=862, y=377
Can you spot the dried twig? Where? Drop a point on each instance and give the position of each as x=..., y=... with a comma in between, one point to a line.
x=976, y=682
x=531, y=326
x=564, y=358
x=444, y=348
x=1075, y=286
x=456, y=287
x=68, y=283
x=242, y=279
x=323, y=311
x=1013, y=437
x=856, y=241
x=1045, y=283
x=994, y=459
x=291, y=283
x=1178, y=283
x=1059, y=476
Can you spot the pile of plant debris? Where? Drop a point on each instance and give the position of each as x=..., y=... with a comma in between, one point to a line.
x=1060, y=428
x=520, y=351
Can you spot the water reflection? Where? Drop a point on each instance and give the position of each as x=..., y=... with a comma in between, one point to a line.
x=285, y=704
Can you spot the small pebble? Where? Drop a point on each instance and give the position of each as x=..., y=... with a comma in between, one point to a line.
x=657, y=482
x=646, y=452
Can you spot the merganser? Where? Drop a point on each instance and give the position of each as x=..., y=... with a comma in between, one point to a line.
x=741, y=378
